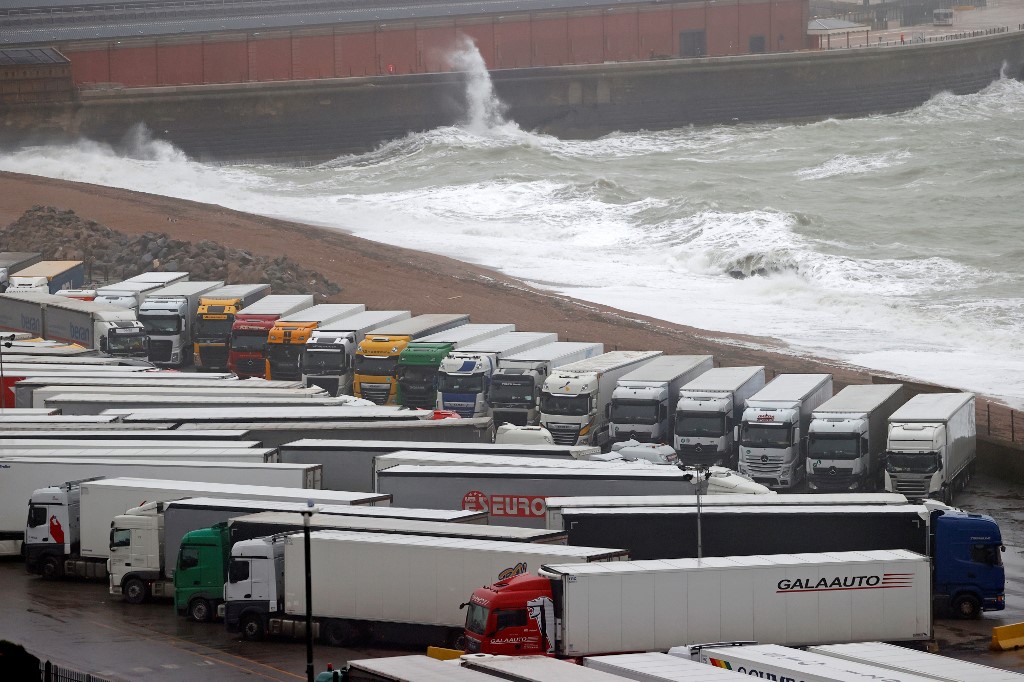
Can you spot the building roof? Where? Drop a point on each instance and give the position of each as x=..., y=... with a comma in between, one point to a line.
x=818, y=27
x=31, y=56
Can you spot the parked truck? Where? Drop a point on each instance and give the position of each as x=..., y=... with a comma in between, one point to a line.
x=964, y=548
x=169, y=318
x=247, y=356
x=127, y=294
x=708, y=415
x=377, y=354
x=592, y=609
x=68, y=320
x=329, y=355
x=932, y=446
x=901, y=660
x=576, y=398
x=773, y=433
x=847, y=438
x=48, y=277
x=514, y=393
x=769, y=661
x=13, y=261
x=644, y=400
x=216, y=314
x=419, y=363
x=464, y=377
x=396, y=587
x=288, y=336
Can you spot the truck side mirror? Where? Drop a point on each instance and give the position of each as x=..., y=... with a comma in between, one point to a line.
x=608, y=411
x=103, y=344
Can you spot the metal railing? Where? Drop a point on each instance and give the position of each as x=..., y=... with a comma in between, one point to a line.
x=51, y=672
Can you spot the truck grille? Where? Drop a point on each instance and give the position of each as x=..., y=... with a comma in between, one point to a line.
x=424, y=401
x=214, y=357
x=286, y=373
x=377, y=393
x=833, y=478
x=769, y=466
x=251, y=367
x=622, y=435
x=913, y=489
x=700, y=454
x=159, y=351
x=564, y=435
x=516, y=417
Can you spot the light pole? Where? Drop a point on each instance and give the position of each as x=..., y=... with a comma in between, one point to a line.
x=5, y=342
x=307, y=514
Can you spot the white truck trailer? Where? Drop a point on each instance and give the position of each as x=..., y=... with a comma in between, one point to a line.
x=20, y=476
x=709, y=412
x=223, y=389
x=770, y=661
x=237, y=507
x=349, y=464
x=464, y=377
x=69, y=526
x=329, y=354
x=96, y=403
x=932, y=446
x=902, y=660
x=169, y=317
x=164, y=279
x=534, y=669
x=68, y=320
x=47, y=277
x=575, y=398
x=773, y=433
x=12, y=261
x=576, y=610
x=127, y=294
x=514, y=394
x=213, y=452
x=847, y=438
x=24, y=390
x=644, y=400
x=655, y=666
x=395, y=587
x=417, y=668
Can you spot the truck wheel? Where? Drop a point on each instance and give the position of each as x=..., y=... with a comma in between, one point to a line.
x=199, y=610
x=52, y=568
x=456, y=640
x=135, y=591
x=252, y=628
x=339, y=633
x=966, y=607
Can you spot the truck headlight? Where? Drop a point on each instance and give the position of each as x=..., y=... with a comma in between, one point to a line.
x=586, y=429
x=811, y=485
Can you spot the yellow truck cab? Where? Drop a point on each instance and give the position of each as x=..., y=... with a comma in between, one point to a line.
x=214, y=317
x=287, y=338
x=377, y=354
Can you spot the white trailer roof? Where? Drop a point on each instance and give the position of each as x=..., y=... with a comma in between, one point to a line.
x=149, y=446
x=418, y=669
x=550, y=351
x=444, y=515
x=368, y=319
x=154, y=379
x=43, y=420
x=113, y=399
x=235, y=291
x=256, y=413
x=161, y=434
x=269, y=492
x=535, y=669
x=858, y=398
x=666, y=367
x=46, y=268
x=902, y=659
x=503, y=343
x=466, y=332
x=651, y=472
x=597, y=501
x=192, y=464
x=323, y=313
x=607, y=361
x=790, y=386
x=722, y=378
x=159, y=277
x=475, y=459
x=659, y=667
x=817, y=666
x=583, y=553
x=575, y=451
x=777, y=510
x=276, y=304
x=419, y=324
x=187, y=289
x=928, y=407
x=738, y=562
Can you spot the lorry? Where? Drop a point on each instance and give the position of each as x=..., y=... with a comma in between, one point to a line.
x=247, y=356
x=26, y=389
x=847, y=438
x=13, y=261
x=464, y=376
x=770, y=661
x=257, y=392
x=964, y=549
x=329, y=355
x=377, y=354
x=69, y=320
x=70, y=527
x=287, y=338
x=644, y=400
x=773, y=431
x=396, y=587
x=575, y=399
x=47, y=277
x=932, y=446
x=419, y=363
x=216, y=314
x=126, y=294
x=709, y=412
x=901, y=660
x=572, y=610
x=514, y=393
x=350, y=464
x=169, y=316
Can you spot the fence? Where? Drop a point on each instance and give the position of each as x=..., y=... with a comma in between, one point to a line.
x=51, y=672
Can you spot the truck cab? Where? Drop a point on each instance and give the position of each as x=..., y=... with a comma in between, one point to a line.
x=839, y=454
x=327, y=360
x=417, y=373
x=51, y=530
x=969, y=576
x=200, y=572
x=255, y=586
x=639, y=413
x=514, y=617
x=135, y=565
x=126, y=339
x=705, y=430
x=567, y=407
x=772, y=446
x=376, y=368
x=914, y=459
x=463, y=380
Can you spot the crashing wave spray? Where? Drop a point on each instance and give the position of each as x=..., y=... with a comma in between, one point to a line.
x=485, y=112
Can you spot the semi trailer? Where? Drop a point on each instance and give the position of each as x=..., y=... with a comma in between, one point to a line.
x=47, y=277
x=247, y=356
x=68, y=320
x=127, y=294
x=768, y=661
x=287, y=338
x=13, y=261
x=169, y=318
x=643, y=406
x=216, y=314
x=329, y=355
x=902, y=660
x=708, y=415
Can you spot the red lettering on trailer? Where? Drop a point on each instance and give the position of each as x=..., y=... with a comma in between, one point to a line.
x=475, y=500
x=521, y=506
x=766, y=417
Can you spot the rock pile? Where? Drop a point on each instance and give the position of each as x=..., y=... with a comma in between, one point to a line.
x=111, y=256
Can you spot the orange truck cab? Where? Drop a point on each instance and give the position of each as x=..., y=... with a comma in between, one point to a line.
x=288, y=336
x=247, y=356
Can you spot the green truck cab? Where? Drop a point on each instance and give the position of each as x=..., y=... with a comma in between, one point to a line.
x=201, y=572
x=417, y=373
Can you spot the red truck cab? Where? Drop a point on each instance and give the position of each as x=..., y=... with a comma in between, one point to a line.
x=514, y=617
x=248, y=348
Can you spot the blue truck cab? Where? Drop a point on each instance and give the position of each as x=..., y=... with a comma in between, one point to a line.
x=967, y=562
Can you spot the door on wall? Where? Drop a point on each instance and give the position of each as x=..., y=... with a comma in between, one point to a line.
x=756, y=45
x=692, y=44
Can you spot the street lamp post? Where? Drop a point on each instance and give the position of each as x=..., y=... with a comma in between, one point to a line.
x=698, y=476
x=307, y=514
x=5, y=342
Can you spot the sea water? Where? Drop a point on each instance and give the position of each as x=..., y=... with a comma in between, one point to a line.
x=890, y=242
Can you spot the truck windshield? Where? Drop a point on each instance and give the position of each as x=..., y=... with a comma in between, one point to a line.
x=213, y=329
x=565, y=405
x=634, y=412
x=838, y=446
x=912, y=462
x=765, y=436
x=460, y=383
x=476, y=618
x=421, y=375
x=161, y=324
x=373, y=366
x=246, y=340
x=284, y=354
x=700, y=424
x=508, y=391
x=322, y=360
x=127, y=344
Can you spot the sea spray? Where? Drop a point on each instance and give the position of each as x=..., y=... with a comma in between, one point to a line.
x=485, y=113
